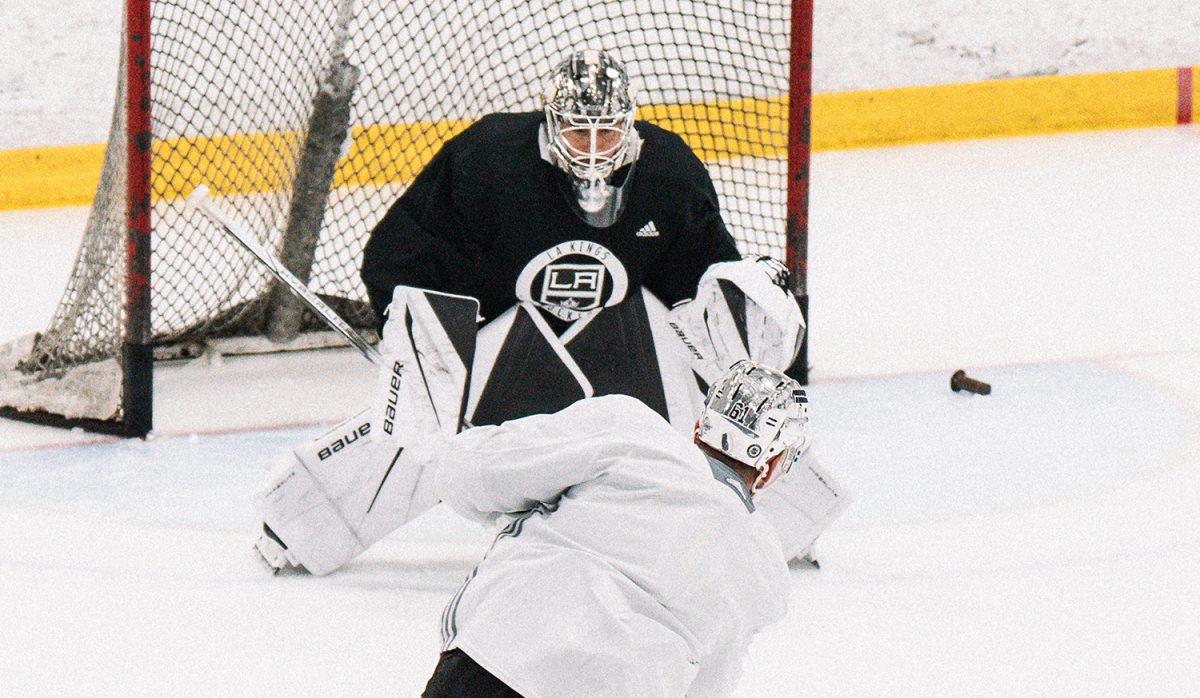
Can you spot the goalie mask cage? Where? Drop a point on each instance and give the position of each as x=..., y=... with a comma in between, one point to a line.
x=307, y=119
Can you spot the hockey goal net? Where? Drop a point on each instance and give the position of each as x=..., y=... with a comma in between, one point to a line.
x=307, y=119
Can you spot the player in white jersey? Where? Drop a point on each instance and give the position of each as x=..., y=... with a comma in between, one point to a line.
x=632, y=561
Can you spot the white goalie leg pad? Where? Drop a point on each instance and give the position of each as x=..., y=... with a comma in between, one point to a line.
x=296, y=509
x=340, y=493
x=272, y=551
x=348, y=488
x=428, y=348
x=684, y=397
x=739, y=312
x=802, y=504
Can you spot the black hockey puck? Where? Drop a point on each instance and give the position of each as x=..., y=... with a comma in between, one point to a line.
x=961, y=381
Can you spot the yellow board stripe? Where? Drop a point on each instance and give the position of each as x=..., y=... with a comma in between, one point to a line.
x=222, y=163
x=67, y=175
x=1017, y=107
x=47, y=177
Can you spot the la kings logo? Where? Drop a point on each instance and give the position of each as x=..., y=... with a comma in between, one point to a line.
x=573, y=279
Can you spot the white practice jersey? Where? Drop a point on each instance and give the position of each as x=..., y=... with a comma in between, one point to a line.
x=631, y=563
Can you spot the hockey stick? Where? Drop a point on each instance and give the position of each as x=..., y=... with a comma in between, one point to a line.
x=200, y=201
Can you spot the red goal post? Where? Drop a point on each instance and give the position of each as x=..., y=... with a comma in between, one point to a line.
x=799, y=156
x=137, y=358
x=307, y=119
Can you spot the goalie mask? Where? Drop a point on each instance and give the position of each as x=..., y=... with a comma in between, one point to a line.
x=754, y=414
x=589, y=132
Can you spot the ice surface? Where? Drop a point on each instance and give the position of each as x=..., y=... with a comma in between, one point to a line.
x=1042, y=540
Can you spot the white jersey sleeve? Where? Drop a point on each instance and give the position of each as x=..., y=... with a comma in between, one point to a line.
x=486, y=472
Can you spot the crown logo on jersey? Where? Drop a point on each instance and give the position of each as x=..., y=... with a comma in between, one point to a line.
x=572, y=279
x=648, y=231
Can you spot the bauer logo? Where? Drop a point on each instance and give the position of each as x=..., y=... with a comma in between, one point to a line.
x=573, y=279
x=344, y=441
x=389, y=410
x=696, y=355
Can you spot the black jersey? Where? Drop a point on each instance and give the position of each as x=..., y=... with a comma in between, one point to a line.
x=489, y=218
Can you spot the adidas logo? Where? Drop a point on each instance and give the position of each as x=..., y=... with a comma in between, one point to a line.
x=648, y=231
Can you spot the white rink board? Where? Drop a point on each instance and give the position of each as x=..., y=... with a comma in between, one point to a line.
x=60, y=81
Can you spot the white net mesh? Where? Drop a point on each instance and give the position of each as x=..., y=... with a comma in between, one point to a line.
x=234, y=89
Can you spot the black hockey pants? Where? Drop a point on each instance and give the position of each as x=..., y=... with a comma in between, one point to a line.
x=458, y=676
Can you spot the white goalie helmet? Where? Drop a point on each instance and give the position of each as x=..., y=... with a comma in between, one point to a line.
x=754, y=414
x=589, y=129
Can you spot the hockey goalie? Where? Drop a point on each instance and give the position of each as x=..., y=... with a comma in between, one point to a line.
x=335, y=496
x=538, y=259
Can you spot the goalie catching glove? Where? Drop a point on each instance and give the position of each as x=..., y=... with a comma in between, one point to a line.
x=742, y=310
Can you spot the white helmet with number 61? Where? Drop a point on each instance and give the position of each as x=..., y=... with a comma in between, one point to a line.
x=756, y=415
